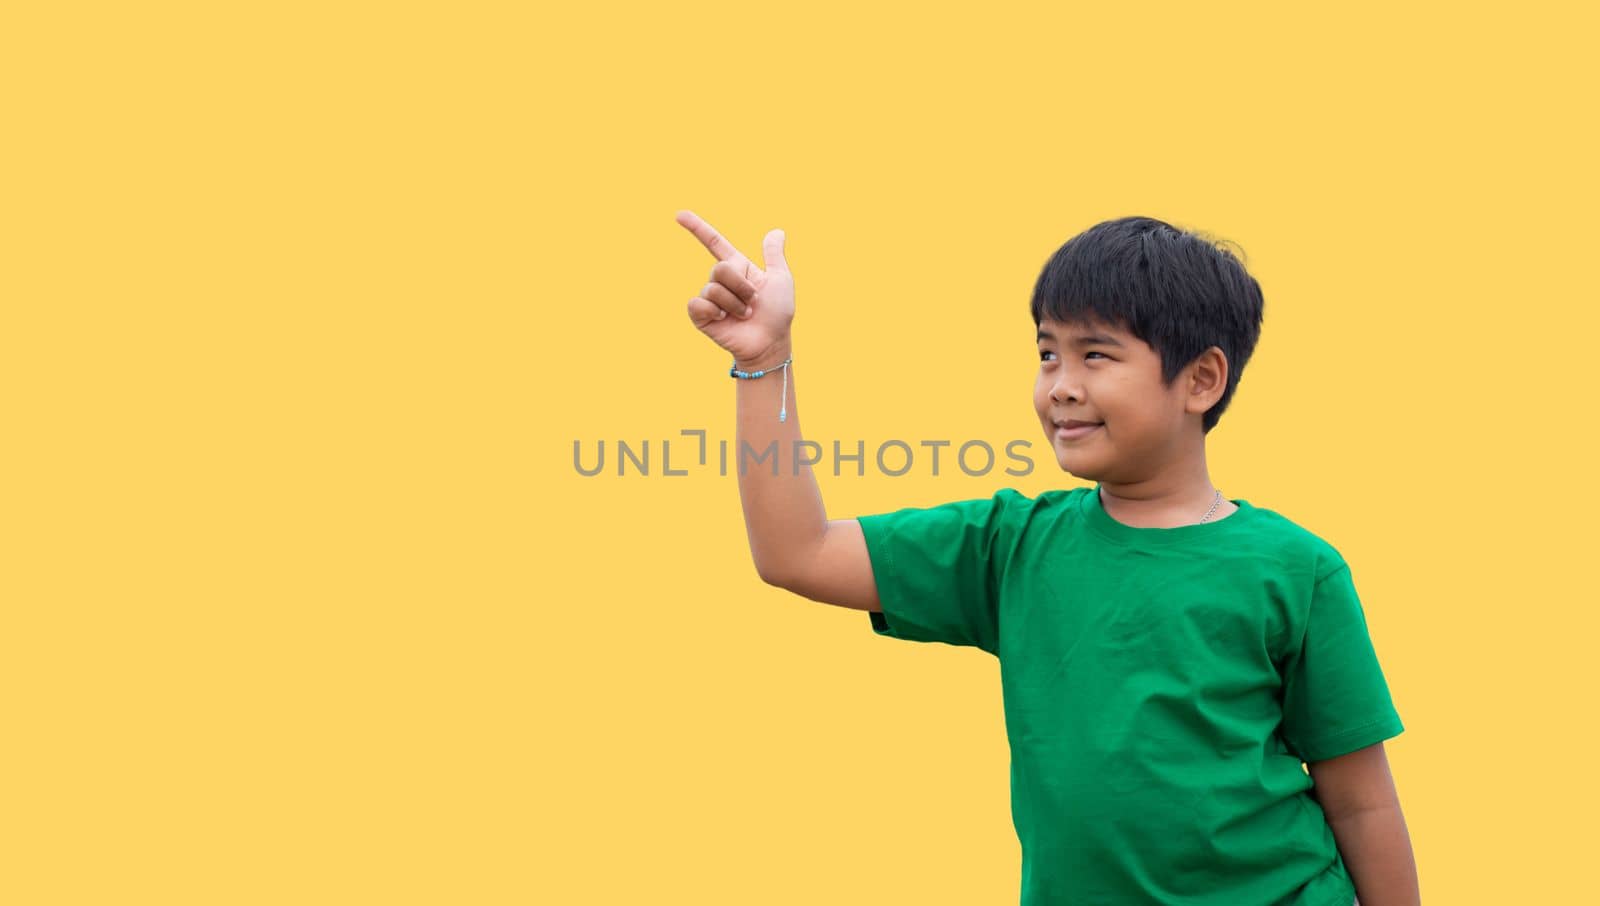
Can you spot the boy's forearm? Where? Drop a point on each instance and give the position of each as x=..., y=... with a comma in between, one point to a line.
x=1376, y=850
x=783, y=513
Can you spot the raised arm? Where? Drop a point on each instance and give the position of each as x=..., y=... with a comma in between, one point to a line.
x=749, y=312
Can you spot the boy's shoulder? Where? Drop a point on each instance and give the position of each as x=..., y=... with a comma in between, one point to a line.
x=1303, y=544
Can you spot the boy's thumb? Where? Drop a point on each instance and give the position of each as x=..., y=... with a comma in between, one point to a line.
x=772, y=251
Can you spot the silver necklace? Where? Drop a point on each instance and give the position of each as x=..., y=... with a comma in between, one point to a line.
x=1214, y=504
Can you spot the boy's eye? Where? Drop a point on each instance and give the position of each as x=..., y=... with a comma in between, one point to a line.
x=1102, y=355
x=1043, y=353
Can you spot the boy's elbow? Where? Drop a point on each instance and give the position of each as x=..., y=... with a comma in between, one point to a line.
x=788, y=573
x=797, y=570
x=774, y=574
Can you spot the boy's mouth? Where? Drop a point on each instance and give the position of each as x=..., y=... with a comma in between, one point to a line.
x=1071, y=429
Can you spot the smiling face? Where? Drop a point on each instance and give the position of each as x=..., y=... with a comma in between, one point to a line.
x=1099, y=373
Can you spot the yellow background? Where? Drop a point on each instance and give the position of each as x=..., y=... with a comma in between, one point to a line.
x=306, y=304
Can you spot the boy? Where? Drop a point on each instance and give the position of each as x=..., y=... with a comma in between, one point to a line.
x=1169, y=657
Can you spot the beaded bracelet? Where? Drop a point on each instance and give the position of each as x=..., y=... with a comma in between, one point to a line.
x=783, y=410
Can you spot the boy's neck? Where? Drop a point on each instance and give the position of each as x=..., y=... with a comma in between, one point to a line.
x=1169, y=500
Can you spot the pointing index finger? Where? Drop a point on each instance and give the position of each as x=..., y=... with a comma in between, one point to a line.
x=708, y=237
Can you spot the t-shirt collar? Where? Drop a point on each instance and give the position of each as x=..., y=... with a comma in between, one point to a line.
x=1102, y=522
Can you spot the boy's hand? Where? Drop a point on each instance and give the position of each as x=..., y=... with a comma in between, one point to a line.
x=744, y=309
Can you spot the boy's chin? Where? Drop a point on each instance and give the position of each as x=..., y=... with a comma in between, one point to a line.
x=1076, y=469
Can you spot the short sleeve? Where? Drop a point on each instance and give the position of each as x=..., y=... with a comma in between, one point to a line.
x=1335, y=698
x=938, y=568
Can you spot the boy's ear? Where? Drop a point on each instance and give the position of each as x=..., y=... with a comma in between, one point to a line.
x=1207, y=379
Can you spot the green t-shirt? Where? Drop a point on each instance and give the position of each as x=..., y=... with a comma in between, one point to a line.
x=1161, y=685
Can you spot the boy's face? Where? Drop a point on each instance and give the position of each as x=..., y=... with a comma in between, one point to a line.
x=1100, y=373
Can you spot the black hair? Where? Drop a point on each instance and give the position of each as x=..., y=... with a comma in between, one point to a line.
x=1177, y=290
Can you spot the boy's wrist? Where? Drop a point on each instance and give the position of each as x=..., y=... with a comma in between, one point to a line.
x=771, y=358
